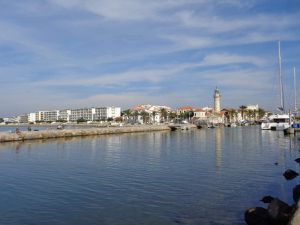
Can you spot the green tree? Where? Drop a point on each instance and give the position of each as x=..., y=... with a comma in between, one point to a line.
x=126, y=112
x=81, y=120
x=1, y=120
x=172, y=115
x=119, y=119
x=144, y=115
x=261, y=113
x=164, y=114
x=242, y=108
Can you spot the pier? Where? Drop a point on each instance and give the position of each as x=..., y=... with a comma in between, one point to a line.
x=182, y=126
x=47, y=134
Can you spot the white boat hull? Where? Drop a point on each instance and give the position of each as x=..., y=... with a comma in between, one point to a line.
x=274, y=126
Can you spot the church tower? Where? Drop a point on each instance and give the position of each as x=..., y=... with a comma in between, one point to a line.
x=217, y=100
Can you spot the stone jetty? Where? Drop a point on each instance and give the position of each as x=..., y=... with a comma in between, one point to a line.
x=47, y=134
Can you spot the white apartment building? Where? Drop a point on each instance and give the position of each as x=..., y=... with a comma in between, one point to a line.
x=84, y=113
x=64, y=115
x=252, y=107
x=113, y=112
x=51, y=116
x=32, y=117
x=72, y=115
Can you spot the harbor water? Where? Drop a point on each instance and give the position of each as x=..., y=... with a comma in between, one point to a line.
x=207, y=176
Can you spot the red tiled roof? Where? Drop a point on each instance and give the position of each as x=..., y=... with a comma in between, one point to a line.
x=185, y=108
x=199, y=110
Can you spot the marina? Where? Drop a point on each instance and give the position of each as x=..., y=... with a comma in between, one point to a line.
x=199, y=176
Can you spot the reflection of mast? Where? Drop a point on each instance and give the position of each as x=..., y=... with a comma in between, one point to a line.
x=218, y=149
x=295, y=94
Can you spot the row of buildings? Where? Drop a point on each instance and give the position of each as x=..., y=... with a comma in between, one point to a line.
x=146, y=114
x=71, y=115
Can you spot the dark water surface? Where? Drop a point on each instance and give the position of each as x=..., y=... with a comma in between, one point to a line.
x=207, y=176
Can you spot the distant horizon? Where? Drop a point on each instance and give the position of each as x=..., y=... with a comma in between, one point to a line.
x=113, y=52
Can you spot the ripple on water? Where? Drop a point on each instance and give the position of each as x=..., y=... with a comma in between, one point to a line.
x=197, y=177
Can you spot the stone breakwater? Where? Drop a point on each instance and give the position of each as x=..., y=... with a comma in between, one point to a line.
x=47, y=134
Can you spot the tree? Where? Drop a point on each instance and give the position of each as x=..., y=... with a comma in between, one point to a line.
x=164, y=114
x=126, y=112
x=261, y=113
x=144, y=115
x=81, y=120
x=119, y=119
x=172, y=115
x=1, y=120
x=242, y=108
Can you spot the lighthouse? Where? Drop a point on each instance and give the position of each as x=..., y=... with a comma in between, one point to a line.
x=217, y=100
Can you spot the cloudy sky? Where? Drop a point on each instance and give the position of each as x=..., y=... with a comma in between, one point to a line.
x=57, y=54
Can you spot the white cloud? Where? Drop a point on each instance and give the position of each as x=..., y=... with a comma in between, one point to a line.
x=227, y=59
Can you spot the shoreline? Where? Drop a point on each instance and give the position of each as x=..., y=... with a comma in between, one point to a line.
x=50, y=134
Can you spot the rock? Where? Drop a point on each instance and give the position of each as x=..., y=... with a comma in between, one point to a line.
x=297, y=160
x=257, y=216
x=267, y=199
x=279, y=211
x=276, y=163
x=290, y=174
x=296, y=193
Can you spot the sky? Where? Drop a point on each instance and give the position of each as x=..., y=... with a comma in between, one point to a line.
x=59, y=54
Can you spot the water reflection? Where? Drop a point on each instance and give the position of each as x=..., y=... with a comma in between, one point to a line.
x=159, y=178
x=218, y=147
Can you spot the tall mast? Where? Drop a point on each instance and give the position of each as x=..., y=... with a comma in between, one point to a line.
x=295, y=94
x=280, y=79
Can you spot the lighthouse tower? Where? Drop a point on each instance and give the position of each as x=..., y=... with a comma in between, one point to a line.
x=217, y=100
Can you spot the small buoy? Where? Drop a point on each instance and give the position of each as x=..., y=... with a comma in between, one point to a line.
x=276, y=163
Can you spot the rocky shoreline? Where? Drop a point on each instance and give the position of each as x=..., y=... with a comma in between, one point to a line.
x=278, y=212
x=47, y=134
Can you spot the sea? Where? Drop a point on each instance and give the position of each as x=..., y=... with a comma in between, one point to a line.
x=191, y=177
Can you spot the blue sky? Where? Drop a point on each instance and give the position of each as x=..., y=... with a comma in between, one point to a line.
x=57, y=54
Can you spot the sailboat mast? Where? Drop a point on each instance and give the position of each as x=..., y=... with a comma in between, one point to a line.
x=295, y=94
x=280, y=79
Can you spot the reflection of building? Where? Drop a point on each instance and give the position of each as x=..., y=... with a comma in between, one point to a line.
x=218, y=147
x=217, y=101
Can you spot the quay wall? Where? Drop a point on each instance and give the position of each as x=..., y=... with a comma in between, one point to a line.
x=47, y=134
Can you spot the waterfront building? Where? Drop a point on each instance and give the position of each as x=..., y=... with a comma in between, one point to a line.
x=84, y=114
x=217, y=101
x=184, y=109
x=200, y=114
x=50, y=116
x=64, y=115
x=113, y=112
x=252, y=107
x=22, y=118
x=72, y=115
x=149, y=113
x=32, y=117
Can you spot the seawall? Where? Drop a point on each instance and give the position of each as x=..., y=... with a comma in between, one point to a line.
x=47, y=134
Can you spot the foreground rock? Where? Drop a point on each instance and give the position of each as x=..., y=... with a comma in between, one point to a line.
x=277, y=213
x=290, y=174
x=257, y=216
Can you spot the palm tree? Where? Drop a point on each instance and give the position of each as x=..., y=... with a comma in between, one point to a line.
x=164, y=114
x=261, y=113
x=242, y=108
x=144, y=116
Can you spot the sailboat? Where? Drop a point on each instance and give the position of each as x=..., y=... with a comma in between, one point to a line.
x=283, y=120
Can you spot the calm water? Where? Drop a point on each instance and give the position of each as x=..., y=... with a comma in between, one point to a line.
x=207, y=176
